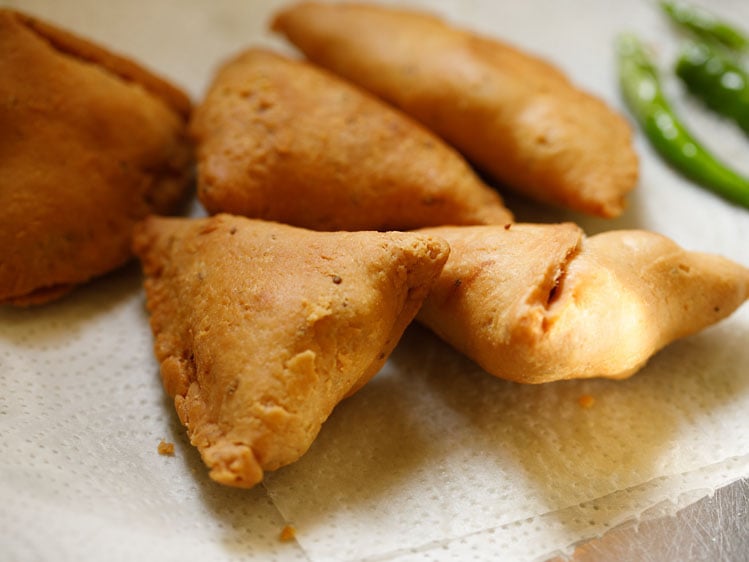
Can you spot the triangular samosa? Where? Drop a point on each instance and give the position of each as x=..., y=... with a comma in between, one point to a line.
x=512, y=114
x=536, y=303
x=282, y=140
x=262, y=328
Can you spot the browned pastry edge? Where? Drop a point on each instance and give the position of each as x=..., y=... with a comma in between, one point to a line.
x=71, y=44
x=41, y=295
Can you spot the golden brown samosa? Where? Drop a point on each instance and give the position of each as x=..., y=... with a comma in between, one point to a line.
x=262, y=328
x=90, y=143
x=512, y=114
x=282, y=140
x=537, y=303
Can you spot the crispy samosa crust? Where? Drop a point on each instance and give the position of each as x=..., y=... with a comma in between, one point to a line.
x=538, y=303
x=282, y=140
x=262, y=328
x=90, y=143
x=516, y=116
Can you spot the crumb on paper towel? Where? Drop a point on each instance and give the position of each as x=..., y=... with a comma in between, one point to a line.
x=586, y=401
x=166, y=448
x=288, y=533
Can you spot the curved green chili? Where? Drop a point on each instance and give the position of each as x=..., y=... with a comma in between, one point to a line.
x=705, y=24
x=642, y=91
x=717, y=80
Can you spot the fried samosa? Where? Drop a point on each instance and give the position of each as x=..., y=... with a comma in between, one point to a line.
x=538, y=303
x=262, y=328
x=90, y=143
x=514, y=115
x=282, y=140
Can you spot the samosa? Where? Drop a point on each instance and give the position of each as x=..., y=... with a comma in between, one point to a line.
x=537, y=303
x=514, y=115
x=262, y=328
x=282, y=140
x=90, y=143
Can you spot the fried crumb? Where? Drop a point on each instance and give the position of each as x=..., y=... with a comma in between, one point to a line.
x=166, y=448
x=586, y=401
x=288, y=533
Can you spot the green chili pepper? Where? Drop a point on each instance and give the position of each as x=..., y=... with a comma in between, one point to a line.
x=642, y=91
x=706, y=25
x=717, y=80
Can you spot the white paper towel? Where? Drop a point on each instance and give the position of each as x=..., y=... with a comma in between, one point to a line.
x=434, y=459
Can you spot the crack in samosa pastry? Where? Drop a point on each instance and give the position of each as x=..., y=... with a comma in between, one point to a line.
x=262, y=328
x=283, y=140
x=512, y=114
x=537, y=303
x=90, y=143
